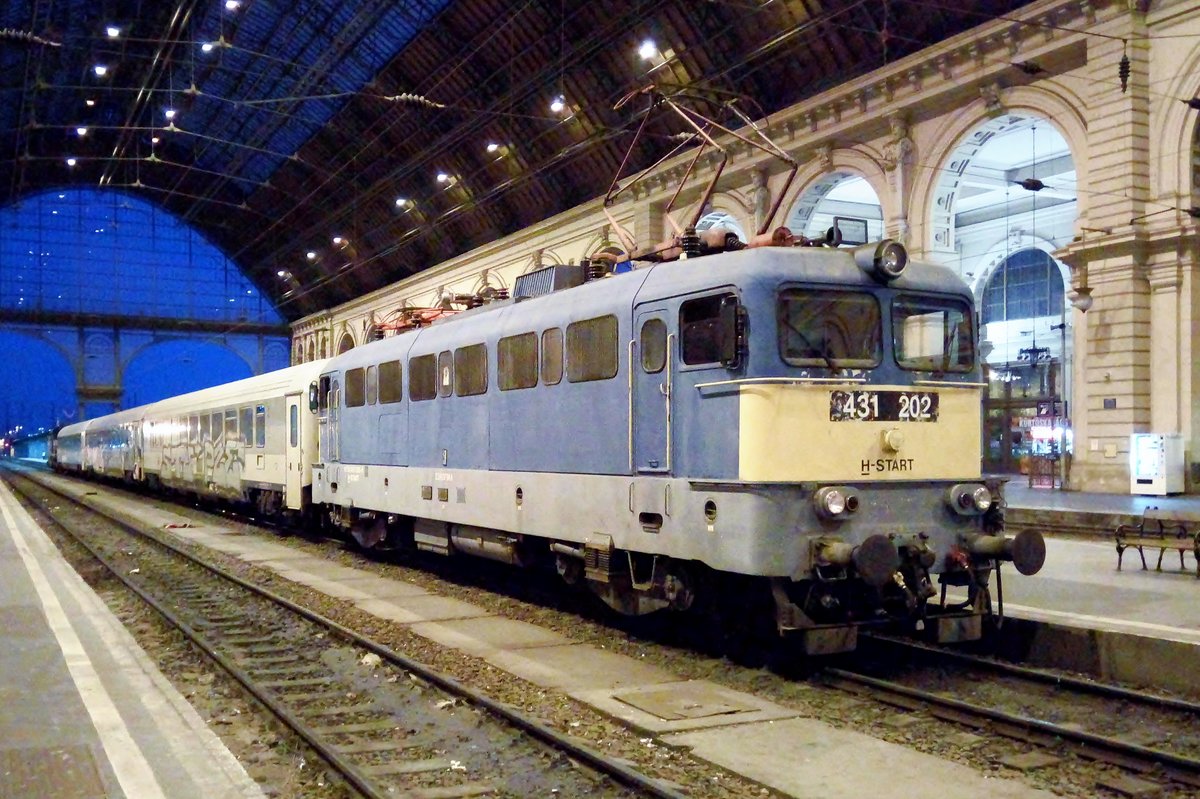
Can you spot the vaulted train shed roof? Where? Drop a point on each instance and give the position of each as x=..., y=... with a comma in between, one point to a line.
x=297, y=122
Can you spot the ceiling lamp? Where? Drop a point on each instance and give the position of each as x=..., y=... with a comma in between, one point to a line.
x=113, y=31
x=442, y=177
x=492, y=147
x=71, y=162
x=89, y=103
x=648, y=50
x=310, y=255
x=207, y=47
x=82, y=131
x=169, y=113
x=232, y=5
x=558, y=104
x=101, y=70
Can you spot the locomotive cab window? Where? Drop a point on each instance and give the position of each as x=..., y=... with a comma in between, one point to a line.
x=470, y=370
x=704, y=337
x=933, y=334
x=834, y=329
x=592, y=349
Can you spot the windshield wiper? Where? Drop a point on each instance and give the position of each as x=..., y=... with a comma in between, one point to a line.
x=808, y=343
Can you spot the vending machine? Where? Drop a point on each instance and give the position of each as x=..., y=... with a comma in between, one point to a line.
x=1156, y=463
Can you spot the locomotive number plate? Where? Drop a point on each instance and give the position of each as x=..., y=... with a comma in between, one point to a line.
x=883, y=406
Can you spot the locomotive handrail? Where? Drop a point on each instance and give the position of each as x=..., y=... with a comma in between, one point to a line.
x=950, y=383
x=749, y=381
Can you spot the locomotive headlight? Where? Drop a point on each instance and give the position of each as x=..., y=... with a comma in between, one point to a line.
x=970, y=499
x=884, y=260
x=834, y=502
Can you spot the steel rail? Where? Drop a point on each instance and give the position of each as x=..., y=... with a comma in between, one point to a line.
x=618, y=771
x=1111, y=750
x=1040, y=675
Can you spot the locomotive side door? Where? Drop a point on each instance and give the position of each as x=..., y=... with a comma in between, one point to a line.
x=651, y=367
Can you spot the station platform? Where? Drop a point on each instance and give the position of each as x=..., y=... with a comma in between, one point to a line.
x=1080, y=612
x=84, y=713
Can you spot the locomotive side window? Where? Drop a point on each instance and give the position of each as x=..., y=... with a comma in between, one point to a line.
x=653, y=344
x=552, y=356
x=260, y=425
x=322, y=395
x=247, y=415
x=700, y=331
x=517, y=361
x=372, y=385
x=390, y=387
x=933, y=333
x=833, y=329
x=422, y=378
x=592, y=349
x=356, y=387
x=445, y=374
x=470, y=370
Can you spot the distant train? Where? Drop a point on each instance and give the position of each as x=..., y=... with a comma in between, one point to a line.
x=780, y=434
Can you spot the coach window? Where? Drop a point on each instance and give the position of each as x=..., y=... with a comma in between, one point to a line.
x=194, y=429
x=422, y=378
x=470, y=370
x=390, y=384
x=247, y=426
x=552, y=356
x=231, y=420
x=592, y=349
x=294, y=425
x=216, y=427
x=356, y=388
x=260, y=425
x=517, y=361
x=700, y=329
x=204, y=428
x=372, y=385
x=654, y=345
x=445, y=374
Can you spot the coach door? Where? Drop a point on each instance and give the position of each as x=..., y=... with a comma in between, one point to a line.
x=294, y=481
x=651, y=367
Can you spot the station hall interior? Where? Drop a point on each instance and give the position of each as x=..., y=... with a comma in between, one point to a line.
x=204, y=190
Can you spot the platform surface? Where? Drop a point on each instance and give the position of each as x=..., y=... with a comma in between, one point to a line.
x=1080, y=585
x=84, y=713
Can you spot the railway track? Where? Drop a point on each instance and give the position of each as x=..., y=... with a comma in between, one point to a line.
x=1148, y=735
x=387, y=725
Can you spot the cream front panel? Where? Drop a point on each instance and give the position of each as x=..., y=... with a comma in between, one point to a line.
x=788, y=433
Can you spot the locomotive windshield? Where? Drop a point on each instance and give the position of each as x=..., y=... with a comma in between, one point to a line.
x=834, y=329
x=933, y=334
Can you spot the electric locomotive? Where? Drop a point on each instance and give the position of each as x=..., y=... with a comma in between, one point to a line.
x=796, y=425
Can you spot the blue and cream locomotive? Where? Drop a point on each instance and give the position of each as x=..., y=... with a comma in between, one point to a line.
x=796, y=424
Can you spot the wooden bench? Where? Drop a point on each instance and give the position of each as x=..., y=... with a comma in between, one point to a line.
x=1162, y=530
